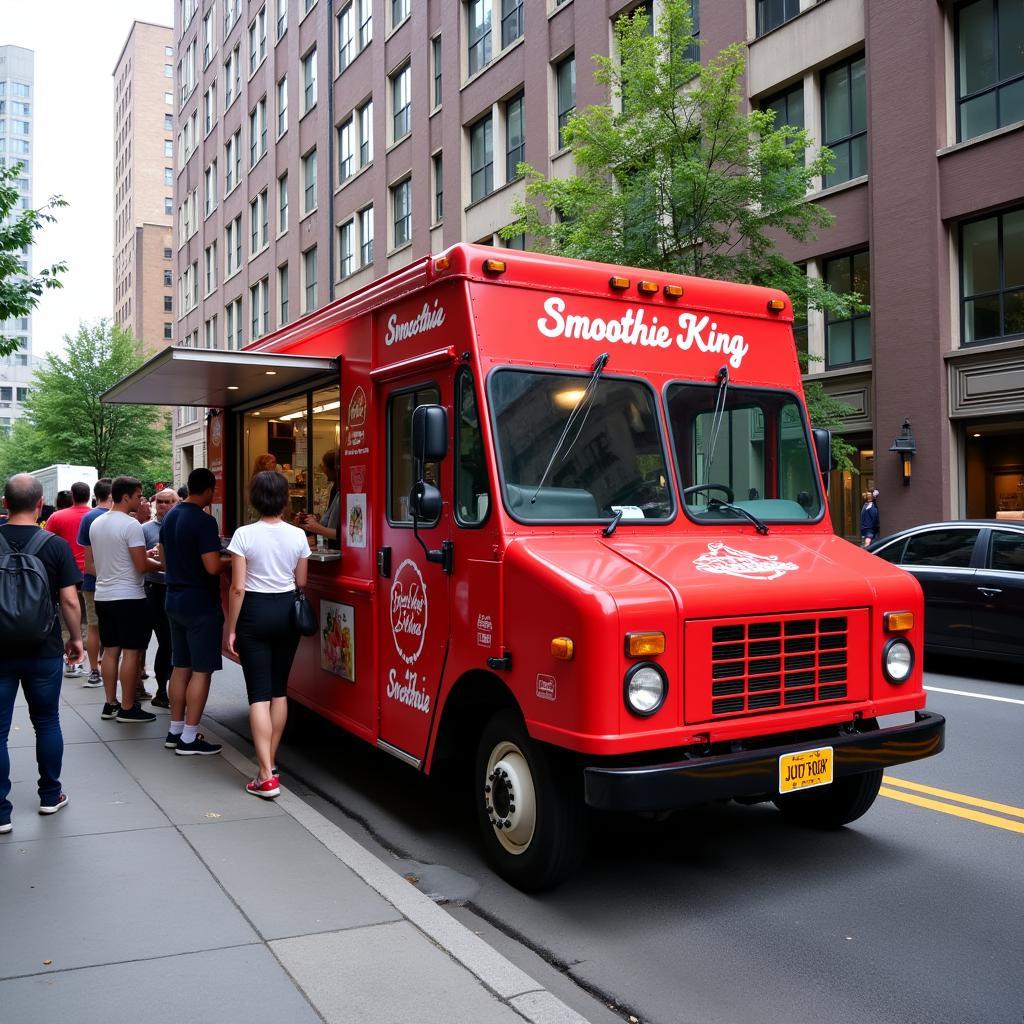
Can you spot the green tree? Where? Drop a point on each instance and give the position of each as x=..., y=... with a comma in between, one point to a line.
x=20, y=291
x=65, y=420
x=675, y=176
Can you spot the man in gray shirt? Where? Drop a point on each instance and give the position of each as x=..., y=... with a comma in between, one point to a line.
x=156, y=594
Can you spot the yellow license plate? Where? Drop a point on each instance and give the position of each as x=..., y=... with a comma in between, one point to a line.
x=805, y=769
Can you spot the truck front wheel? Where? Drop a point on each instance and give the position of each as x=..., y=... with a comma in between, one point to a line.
x=531, y=813
x=835, y=805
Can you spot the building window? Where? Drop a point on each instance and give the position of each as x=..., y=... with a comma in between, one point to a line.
x=232, y=12
x=307, y=6
x=168, y=98
x=399, y=12
x=259, y=229
x=990, y=66
x=511, y=21
x=168, y=331
x=210, y=268
x=259, y=309
x=282, y=294
x=233, y=324
x=232, y=78
x=258, y=41
x=168, y=205
x=346, y=150
x=481, y=159
x=232, y=247
x=515, y=141
x=168, y=175
x=366, y=236
x=210, y=333
x=401, y=204
x=210, y=189
x=168, y=254
x=364, y=20
x=169, y=147
x=992, y=277
x=435, y=50
x=479, y=53
x=282, y=106
x=346, y=248
x=772, y=13
x=168, y=279
x=258, y=131
x=565, y=87
x=438, y=188
x=401, y=103
x=309, y=279
x=168, y=122
x=282, y=204
x=282, y=17
x=168, y=71
x=365, y=119
x=309, y=182
x=233, y=162
x=168, y=303
x=209, y=43
x=309, y=81
x=848, y=341
x=788, y=107
x=845, y=126
x=346, y=35
x=209, y=109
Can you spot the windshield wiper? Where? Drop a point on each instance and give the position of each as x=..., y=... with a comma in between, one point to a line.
x=760, y=524
x=582, y=406
x=610, y=528
x=716, y=421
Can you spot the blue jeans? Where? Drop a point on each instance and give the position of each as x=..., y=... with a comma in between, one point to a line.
x=41, y=680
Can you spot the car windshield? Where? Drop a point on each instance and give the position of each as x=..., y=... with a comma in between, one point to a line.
x=611, y=459
x=746, y=447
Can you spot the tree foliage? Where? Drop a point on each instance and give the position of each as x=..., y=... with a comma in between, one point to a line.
x=20, y=291
x=65, y=420
x=673, y=175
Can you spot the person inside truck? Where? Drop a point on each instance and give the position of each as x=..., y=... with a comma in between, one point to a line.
x=263, y=463
x=327, y=525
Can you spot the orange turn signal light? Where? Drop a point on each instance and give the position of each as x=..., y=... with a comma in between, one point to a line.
x=673, y=291
x=644, y=645
x=618, y=283
x=562, y=648
x=898, y=622
x=776, y=305
x=647, y=287
x=442, y=263
x=494, y=266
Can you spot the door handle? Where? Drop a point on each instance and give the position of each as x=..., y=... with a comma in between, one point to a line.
x=384, y=562
x=990, y=591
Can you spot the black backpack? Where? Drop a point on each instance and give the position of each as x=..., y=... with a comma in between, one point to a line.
x=27, y=609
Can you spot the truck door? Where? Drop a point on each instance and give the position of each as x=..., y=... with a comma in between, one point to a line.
x=413, y=622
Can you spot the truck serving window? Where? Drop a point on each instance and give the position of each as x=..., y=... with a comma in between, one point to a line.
x=611, y=459
x=748, y=447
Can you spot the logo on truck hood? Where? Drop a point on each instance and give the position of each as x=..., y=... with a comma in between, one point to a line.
x=722, y=560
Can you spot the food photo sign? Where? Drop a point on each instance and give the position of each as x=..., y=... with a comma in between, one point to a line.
x=338, y=639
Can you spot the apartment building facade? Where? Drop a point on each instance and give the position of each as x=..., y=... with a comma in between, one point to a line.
x=325, y=143
x=17, y=134
x=144, y=185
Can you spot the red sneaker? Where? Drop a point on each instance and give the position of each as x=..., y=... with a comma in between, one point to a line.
x=268, y=790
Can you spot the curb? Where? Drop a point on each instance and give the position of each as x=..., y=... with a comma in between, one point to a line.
x=511, y=984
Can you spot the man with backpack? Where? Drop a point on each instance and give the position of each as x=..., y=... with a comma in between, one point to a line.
x=37, y=574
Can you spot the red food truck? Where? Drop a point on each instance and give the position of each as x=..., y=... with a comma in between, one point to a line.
x=584, y=544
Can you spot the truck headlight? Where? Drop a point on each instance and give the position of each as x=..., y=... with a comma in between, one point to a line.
x=645, y=689
x=898, y=661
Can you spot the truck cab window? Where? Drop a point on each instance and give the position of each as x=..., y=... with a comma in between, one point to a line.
x=401, y=471
x=472, y=489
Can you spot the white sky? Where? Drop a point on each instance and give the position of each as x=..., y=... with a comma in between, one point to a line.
x=76, y=45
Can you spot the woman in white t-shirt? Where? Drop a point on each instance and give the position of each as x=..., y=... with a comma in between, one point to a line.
x=268, y=564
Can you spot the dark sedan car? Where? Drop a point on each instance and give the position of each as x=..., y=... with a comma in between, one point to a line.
x=972, y=574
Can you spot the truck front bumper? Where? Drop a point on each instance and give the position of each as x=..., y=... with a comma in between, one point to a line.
x=663, y=787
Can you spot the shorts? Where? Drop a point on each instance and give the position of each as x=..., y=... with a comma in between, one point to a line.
x=83, y=619
x=196, y=640
x=89, y=596
x=125, y=624
x=266, y=641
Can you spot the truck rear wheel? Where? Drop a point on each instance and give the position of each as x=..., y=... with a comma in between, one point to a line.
x=530, y=808
x=832, y=806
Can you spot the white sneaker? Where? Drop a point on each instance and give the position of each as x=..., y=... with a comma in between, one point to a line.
x=94, y=679
x=70, y=670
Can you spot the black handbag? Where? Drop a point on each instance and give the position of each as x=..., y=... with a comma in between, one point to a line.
x=303, y=618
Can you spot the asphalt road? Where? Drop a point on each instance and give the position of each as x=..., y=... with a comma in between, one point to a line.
x=725, y=914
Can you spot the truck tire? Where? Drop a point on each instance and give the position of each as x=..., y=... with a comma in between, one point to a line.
x=832, y=806
x=529, y=806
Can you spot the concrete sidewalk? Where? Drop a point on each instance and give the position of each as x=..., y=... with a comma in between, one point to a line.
x=165, y=892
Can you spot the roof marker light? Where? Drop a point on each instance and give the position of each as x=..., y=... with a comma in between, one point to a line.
x=618, y=283
x=673, y=291
x=493, y=266
x=647, y=287
x=776, y=305
x=442, y=263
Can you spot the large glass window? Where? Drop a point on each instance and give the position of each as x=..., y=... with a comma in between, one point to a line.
x=401, y=469
x=481, y=159
x=749, y=448
x=479, y=15
x=574, y=451
x=990, y=65
x=515, y=139
x=565, y=80
x=992, y=277
x=848, y=341
x=772, y=13
x=511, y=21
x=401, y=200
x=472, y=487
x=401, y=99
x=845, y=124
x=788, y=107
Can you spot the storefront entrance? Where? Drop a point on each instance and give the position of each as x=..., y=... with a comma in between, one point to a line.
x=994, y=457
x=846, y=489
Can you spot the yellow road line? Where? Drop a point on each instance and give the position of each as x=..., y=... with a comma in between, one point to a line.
x=973, y=801
x=958, y=812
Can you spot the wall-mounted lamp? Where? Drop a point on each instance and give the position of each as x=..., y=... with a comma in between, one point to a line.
x=905, y=447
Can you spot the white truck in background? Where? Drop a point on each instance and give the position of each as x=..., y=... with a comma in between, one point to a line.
x=61, y=477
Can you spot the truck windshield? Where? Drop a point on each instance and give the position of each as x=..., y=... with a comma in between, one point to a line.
x=761, y=461
x=613, y=459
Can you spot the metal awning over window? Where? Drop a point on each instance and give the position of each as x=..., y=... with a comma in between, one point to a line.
x=216, y=378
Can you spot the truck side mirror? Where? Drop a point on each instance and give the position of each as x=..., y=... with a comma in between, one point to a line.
x=429, y=433
x=424, y=502
x=823, y=446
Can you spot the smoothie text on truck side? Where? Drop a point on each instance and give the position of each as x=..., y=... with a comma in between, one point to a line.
x=585, y=544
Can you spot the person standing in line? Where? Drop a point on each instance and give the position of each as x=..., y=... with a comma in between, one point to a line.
x=156, y=595
x=190, y=551
x=269, y=561
x=868, y=520
x=101, y=493
x=65, y=523
x=64, y=500
x=36, y=666
x=119, y=552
